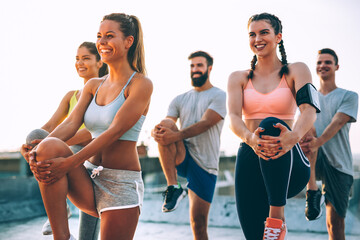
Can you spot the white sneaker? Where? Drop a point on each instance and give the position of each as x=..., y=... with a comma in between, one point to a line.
x=46, y=229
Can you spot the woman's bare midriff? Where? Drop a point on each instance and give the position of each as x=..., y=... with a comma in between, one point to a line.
x=119, y=155
x=253, y=124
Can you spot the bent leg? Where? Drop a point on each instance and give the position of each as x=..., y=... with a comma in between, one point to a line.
x=119, y=224
x=276, y=173
x=171, y=155
x=54, y=195
x=199, y=211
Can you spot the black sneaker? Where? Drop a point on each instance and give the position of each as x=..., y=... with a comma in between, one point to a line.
x=172, y=197
x=314, y=200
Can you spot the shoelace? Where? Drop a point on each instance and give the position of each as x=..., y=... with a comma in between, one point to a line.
x=271, y=233
x=167, y=195
x=96, y=171
x=313, y=201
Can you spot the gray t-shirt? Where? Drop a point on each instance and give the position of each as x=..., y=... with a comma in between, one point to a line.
x=189, y=107
x=337, y=149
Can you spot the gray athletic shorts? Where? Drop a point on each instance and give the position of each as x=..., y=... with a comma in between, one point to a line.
x=115, y=189
x=336, y=185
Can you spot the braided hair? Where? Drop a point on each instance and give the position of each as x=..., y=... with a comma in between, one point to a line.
x=276, y=25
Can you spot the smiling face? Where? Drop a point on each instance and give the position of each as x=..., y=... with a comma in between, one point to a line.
x=111, y=43
x=199, y=71
x=86, y=64
x=325, y=66
x=262, y=38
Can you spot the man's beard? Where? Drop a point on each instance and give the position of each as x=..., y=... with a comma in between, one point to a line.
x=199, y=81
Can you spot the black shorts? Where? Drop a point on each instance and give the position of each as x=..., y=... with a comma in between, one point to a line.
x=336, y=185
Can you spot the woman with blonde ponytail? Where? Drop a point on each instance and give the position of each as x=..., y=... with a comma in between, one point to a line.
x=104, y=178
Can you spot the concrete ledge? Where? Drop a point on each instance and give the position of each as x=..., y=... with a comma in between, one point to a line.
x=20, y=198
x=223, y=213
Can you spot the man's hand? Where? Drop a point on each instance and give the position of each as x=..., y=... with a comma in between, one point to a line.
x=309, y=144
x=164, y=136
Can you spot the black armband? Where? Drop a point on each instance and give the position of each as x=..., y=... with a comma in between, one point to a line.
x=308, y=94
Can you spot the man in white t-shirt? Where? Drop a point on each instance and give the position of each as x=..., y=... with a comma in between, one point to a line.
x=329, y=152
x=193, y=151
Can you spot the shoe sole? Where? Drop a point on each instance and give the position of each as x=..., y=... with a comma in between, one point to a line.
x=181, y=197
x=322, y=201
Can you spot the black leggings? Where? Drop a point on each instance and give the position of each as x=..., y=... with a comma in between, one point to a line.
x=260, y=183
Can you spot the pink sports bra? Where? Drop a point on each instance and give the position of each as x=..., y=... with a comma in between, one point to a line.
x=279, y=103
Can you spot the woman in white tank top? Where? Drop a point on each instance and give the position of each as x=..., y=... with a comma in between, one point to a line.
x=61, y=173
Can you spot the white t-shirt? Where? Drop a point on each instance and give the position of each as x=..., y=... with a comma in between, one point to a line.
x=337, y=149
x=189, y=107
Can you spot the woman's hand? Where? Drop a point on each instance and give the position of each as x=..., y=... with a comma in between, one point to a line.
x=262, y=147
x=275, y=147
x=26, y=148
x=49, y=171
x=278, y=146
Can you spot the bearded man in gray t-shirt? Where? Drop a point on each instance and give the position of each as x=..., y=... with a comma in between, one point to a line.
x=328, y=148
x=193, y=150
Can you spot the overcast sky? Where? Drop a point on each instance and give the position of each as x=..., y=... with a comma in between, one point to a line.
x=39, y=41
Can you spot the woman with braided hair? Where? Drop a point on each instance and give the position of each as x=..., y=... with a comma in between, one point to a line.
x=262, y=101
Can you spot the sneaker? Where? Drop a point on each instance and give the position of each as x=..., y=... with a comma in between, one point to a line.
x=46, y=229
x=275, y=229
x=314, y=200
x=72, y=237
x=172, y=197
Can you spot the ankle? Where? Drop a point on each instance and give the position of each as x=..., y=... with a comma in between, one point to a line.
x=312, y=187
x=277, y=212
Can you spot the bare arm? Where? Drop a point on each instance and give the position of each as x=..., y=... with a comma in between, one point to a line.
x=311, y=143
x=307, y=117
x=208, y=119
x=58, y=117
x=135, y=105
x=60, y=113
x=82, y=137
x=165, y=136
x=301, y=75
x=236, y=84
x=68, y=128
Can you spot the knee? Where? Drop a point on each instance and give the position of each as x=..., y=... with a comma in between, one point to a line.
x=268, y=125
x=168, y=123
x=199, y=224
x=51, y=148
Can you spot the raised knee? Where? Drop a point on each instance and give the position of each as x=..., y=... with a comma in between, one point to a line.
x=51, y=148
x=168, y=123
x=268, y=125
